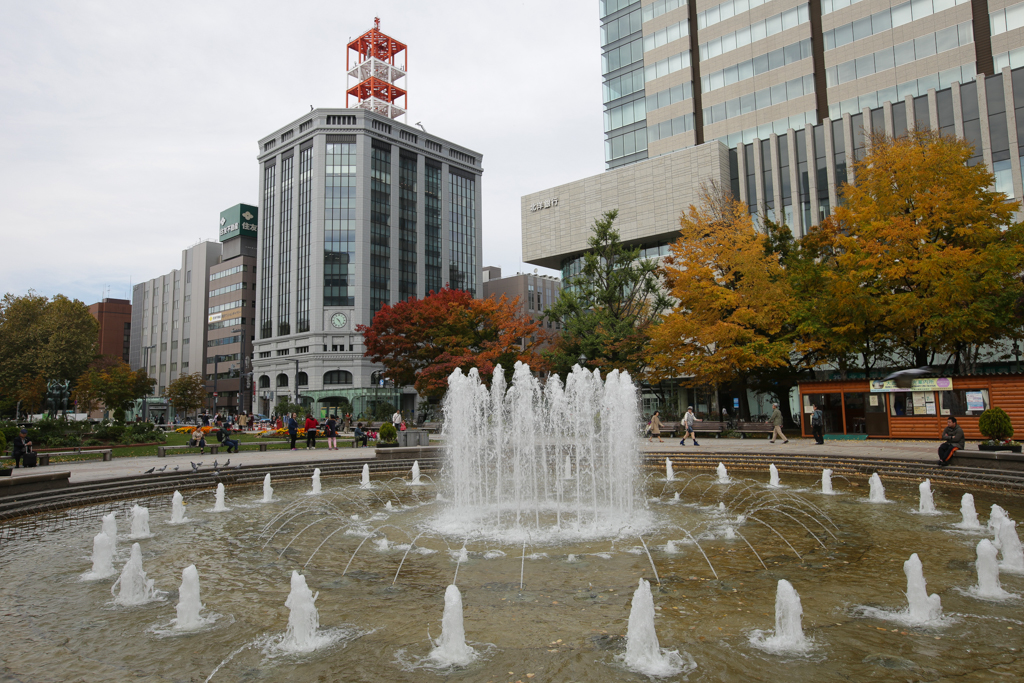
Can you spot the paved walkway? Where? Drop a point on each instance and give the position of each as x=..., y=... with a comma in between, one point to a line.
x=96, y=470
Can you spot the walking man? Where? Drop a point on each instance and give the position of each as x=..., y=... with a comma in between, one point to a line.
x=817, y=424
x=777, y=421
x=688, y=421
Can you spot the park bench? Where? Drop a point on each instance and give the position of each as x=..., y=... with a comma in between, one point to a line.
x=703, y=427
x=43, y=457
x=745, y=428
x=214, y=448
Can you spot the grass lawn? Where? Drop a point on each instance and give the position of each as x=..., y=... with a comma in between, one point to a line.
x=175, y=439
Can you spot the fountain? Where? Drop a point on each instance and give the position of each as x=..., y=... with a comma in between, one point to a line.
x=1009, y=546
x=970, y=515
x=568, y=468
x=988, y=573
x=670, y=475
x=789, y=633
x=364, y=482
x=877, y=494
x=177, y=509
x=773, y=476
x=140, y=522
x=995, y=520
x=218, y=505
x=451, y=648
x=110, y=529
x=102, y=558
x=643, y=651
x=316, y=482
x=926, y=505
x=135, y=588
x=303, y=618
x=416, y=474
x=826, y=483
x=268, y=490
x=189, y=605
x=723, y=474
x=923, y=608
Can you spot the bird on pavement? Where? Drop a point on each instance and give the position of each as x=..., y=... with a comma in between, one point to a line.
x=162, y=468
x=150, y=470
x=238, y=466
x=176, y=467
x=214, y=464
x=228, y=462
x=193, y=465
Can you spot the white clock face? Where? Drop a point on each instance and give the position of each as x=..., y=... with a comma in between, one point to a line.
x=339, y=320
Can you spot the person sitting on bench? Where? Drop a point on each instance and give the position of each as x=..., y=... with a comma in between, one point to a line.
x=224, y=437
x=358, y=435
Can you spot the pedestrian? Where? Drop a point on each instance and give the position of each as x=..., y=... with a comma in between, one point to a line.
x=777, y=421
x=20, y=447
x=655, y=427
x=225, y=437
x=396, y=419
x=331, y=432
x=689, y=419
x=359, y=436
x=280, y=423
x=311, y=425
x=817, y=424
x=953, y=434
x=348, y=422
x=293, y=429
x=242, y=421
x=199, y=439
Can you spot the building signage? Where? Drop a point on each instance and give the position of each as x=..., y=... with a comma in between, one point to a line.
x=215, y=318
x=240, y=220
x=544, y=205
x=923, y=384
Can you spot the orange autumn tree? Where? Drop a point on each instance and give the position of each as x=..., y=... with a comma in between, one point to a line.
x=935, y=252
x=421, y=341
x=732, y=298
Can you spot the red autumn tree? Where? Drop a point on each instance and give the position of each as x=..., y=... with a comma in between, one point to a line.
x=421, y=341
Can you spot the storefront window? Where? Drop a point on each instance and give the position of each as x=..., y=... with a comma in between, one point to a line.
x=831, y=406
x=910, y=403
x=963, y=402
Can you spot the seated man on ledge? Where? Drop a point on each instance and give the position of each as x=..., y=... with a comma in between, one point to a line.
x=359, y=435
x=953, y=433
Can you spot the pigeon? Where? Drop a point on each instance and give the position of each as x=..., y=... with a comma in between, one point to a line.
x=214, y=464
x=150, y=470
x=194, y=466
x=238, y=466
x=176, y=467
x=228, y=462
x=198, y=465
x=162, y=468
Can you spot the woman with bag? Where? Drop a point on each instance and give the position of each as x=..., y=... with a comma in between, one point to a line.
x=331, y=432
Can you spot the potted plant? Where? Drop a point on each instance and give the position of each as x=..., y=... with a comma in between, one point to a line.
x=388, y=437
x=995, y=424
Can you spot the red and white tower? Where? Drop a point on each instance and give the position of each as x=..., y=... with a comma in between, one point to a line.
x=377, y=70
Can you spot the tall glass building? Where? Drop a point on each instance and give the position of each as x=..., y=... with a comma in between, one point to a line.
x=775, y=99
x=356, y=211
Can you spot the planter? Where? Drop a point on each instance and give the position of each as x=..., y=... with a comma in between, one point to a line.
x=387, y=445
x=6, y=471
x=998, y=447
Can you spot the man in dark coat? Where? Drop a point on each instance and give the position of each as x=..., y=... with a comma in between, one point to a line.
x=20, y=446
x=293, y=429
x=953, y=433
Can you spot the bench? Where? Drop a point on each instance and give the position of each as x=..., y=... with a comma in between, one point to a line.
x=703, y=427
x=745, y=428
x=214, y=448
x=43, y=458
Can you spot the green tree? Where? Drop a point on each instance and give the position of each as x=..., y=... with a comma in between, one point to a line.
x=187, y=393
x=114, y=384
x=286, y=407
x=608, y=310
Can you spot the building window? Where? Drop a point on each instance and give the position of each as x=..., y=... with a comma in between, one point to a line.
x=264, y=354
x=283, y=352
x=342, y=120
x=230, y=271
x=305, y=125
x=462, y=156
x=432, y=266
x=304, y=232
x=301, y=380
x=408, y=137
x=301, y=349
x=381, y=126
x=287, y=135
x=433, y=146
x=407, y=226
x=963, y=402
x=339, y=223
x=380, y=226
x=337, y=377
x=264, y=382
x=269, y=145
x=462, y=268
x=284, y=261
x=282, y=380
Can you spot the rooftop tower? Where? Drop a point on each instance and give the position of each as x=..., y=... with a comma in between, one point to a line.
x=377, y=70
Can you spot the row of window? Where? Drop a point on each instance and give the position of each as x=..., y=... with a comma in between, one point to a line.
x=667, y=66
x=229, y=271
x=625, y=114
x=1012, y=59
x=904, y=53
x=302, y=379
x=916, y=88
x=666, y=35
x=726, y=10
x=886, y=20
x=678, y=93
x=219, y=342
x=776, y=59
x=659, y=7
x=625, y=25
x=225, y=323
x=1006, y=19
x=756, y=31
x=227, y=307
x=625, y=144
x=610, y=6
x=830, y=6
x=230, y=288
x=765, y=130
x=624, y=55
x=626, y=84
x=766, y=97
x=665, y=129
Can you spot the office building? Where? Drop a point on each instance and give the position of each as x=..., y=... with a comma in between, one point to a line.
x=115, y=320
x=537, y=293
x=356, y=210
x=168, y=332
x=775, y=100
x=231, y=312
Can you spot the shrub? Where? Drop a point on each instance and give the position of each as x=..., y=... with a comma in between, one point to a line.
x=3, y=443
x=995, y=424
x=388, y=433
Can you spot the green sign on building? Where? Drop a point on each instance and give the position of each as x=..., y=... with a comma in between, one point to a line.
x=239, y=220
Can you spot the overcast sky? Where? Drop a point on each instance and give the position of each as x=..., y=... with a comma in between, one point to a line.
x=126, y=127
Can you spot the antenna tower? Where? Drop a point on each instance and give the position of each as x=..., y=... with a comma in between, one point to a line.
x=375, y=65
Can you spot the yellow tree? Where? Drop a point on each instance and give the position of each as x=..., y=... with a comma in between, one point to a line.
x=732, y=298
x=936, y=250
